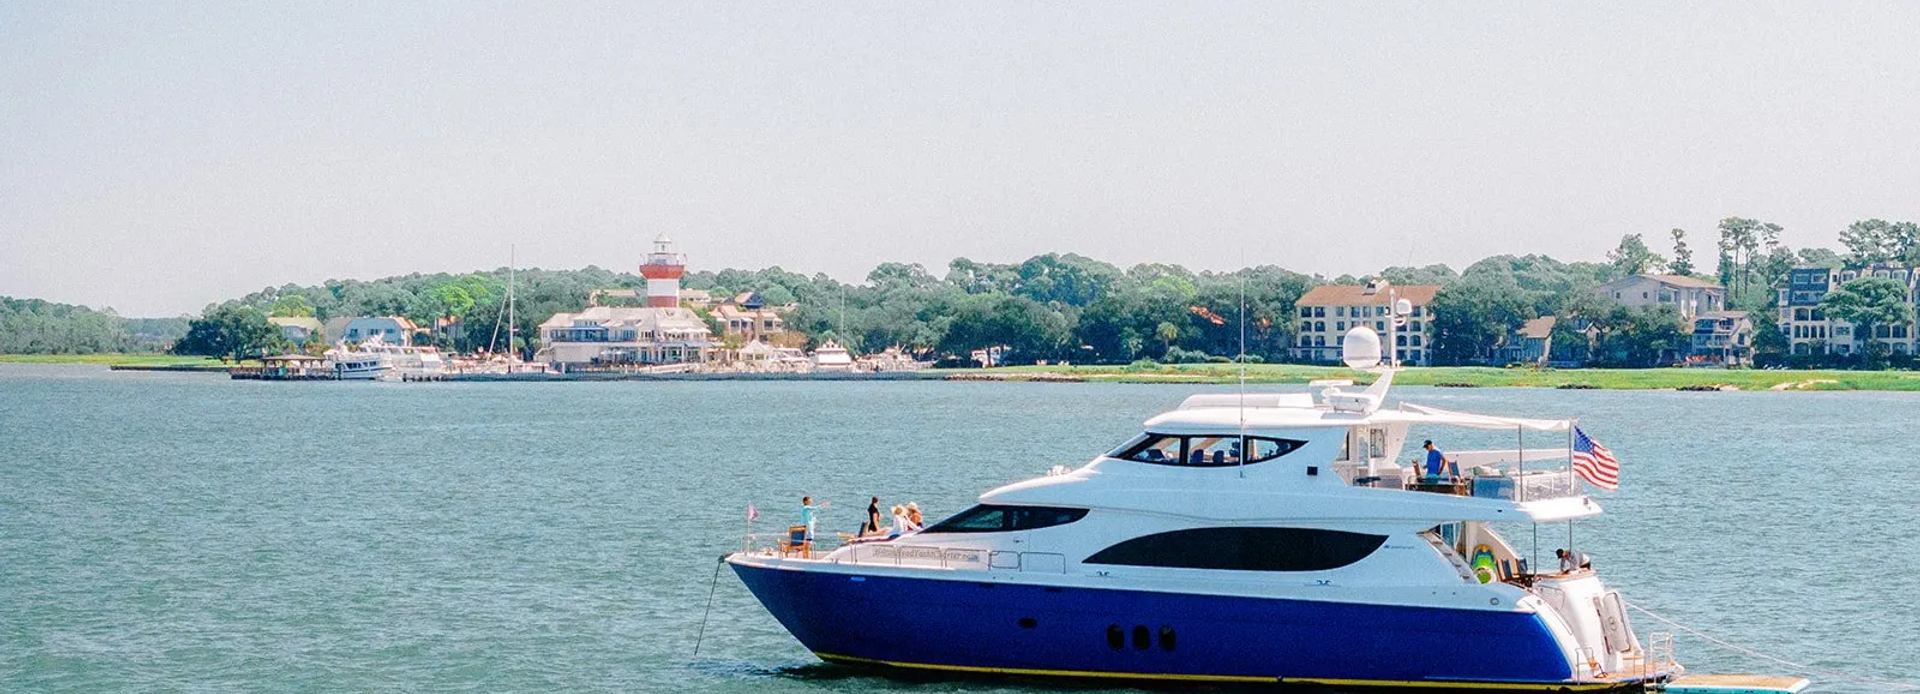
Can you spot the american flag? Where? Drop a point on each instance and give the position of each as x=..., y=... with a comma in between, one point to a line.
x=1594, y=463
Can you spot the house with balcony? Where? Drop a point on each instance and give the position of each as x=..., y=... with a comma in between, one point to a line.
x=1325, y=313
x=1721, y=338
x=1691, y=296
x=1531, y=343
x=748, y=316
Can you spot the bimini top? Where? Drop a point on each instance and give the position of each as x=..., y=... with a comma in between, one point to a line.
x=1213, y=413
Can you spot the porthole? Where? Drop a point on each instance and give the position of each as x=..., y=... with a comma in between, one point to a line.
x=1028, y=623
x=1166, y=638
x=1140, y=637
x=1115, y=638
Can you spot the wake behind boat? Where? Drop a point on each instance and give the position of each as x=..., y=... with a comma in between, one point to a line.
x=1259, y=538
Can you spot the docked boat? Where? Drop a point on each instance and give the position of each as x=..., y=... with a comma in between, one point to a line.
x=355, y=363
x=830, y=356
x=1244, y=538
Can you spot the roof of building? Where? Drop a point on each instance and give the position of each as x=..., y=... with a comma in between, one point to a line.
x=1669, y=280
x=1356, y=294
x=1538, y=328
x=304, y=322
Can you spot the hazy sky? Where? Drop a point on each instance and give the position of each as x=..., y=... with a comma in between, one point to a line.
x=155, y=157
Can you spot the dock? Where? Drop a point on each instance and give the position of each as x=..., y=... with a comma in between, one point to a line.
x=1736, y=684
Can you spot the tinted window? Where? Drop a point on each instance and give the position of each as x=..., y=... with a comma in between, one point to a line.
x=993, y=519
x=1204, y=451
x=1243, y=549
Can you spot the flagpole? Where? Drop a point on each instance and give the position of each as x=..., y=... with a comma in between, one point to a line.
x=1572, y=480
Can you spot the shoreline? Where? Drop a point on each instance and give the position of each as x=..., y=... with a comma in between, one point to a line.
x=1192, y=374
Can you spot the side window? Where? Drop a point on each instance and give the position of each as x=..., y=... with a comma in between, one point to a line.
x=1268, y=449
x=1243, y=549
x=993, y=519
x=1164, y=450
x=1216, y=450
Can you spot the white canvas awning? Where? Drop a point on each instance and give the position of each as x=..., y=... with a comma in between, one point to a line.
x=1421, y=414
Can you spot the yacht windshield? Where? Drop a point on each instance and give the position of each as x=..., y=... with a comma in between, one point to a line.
x=1205, y=451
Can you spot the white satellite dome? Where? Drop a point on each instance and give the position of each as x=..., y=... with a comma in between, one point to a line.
x=1360, y=348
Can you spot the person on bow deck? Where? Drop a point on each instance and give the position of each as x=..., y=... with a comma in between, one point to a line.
x=1437, y=462
x=808, y=515
x=872, y=526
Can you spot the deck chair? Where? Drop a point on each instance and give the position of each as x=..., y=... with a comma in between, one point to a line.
x=796, y=541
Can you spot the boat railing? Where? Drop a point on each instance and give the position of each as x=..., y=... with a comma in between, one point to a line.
x=923, y=556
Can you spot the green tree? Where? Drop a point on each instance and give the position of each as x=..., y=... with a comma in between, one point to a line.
x=1869, y=303
x=230, y=331
x=1632, y=257
x=1472, y=316
x=292, y=306
x=1682, y=255
x=1879, y=241
x=1168, y=333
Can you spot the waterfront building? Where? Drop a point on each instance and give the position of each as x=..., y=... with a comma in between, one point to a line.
x=1721, y=338
x=1809, y=331
x=1326, y=312
x=661, y=332
x=394, y=330
x=1692, y=296
x=748, y=316
x=297, y=329
x=1531, y=343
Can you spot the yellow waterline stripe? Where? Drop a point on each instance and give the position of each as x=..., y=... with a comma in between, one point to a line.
x=1553, y=687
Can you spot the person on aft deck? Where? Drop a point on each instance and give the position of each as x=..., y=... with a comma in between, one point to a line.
x=1437, y=462
x=1571, y=561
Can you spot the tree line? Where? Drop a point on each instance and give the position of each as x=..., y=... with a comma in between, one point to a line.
x=1068, y=307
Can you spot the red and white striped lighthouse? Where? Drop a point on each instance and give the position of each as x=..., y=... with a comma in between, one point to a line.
x=663, y=270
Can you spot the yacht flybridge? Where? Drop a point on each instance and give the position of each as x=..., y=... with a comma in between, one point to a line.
x=1257, y=538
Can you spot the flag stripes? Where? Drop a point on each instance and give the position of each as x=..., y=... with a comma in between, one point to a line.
x=1594, y=463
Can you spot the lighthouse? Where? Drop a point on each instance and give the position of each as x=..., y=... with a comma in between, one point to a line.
x=663, y=269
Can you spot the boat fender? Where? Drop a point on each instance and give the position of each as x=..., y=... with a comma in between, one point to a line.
x=1483, y=563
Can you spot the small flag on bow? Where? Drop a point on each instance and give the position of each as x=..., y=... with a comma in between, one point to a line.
x=1594, y=463
x=753, y=514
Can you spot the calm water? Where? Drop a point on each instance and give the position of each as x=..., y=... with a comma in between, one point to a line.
x=186, y=532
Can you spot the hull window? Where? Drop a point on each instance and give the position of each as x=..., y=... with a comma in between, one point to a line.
x=987, y=518
x=1243, y=549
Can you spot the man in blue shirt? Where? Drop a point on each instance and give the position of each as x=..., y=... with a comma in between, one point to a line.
x=1437, y=462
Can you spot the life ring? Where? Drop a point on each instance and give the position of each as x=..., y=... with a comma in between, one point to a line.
x=1485, y=568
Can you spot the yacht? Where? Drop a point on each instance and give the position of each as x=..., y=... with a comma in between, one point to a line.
x=830, y=356
x=355, y=363
x=1267, y=539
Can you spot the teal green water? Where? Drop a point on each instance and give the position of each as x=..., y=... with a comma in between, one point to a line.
x=190, y=533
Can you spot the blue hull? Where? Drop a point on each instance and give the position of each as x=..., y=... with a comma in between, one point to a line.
x=973, y=626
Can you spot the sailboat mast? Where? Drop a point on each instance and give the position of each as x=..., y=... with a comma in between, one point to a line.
x=511, y=260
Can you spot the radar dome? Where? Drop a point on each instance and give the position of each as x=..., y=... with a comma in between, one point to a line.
x=1360, y=349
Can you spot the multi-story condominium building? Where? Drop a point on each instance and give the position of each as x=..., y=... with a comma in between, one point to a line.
x=1808, y=329
x=1327, y=312
x=1692, y=296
